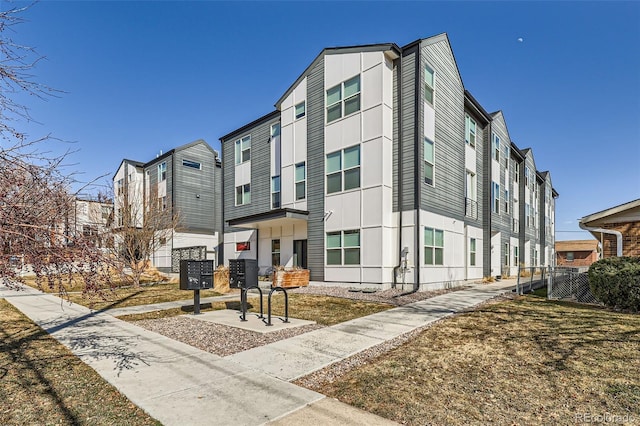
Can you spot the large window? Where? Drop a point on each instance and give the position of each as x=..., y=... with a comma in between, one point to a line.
x=343, y=99
x=300, y=110
x=192, y=164
x=429, y=84
x=472, y=252
x=429, y=161
x=470, y=131
x=433, y=246
x=243, y=149
x=343, y=247
x=275, y=192
x=496, y=147
x=343, y=170
x=162, y=171
x=275, y=252
x=243, y=194
x=495, y=197
x=301, y=181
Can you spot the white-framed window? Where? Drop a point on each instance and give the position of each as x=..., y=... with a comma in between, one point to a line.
x=343, y=99
x=516, y=171
x=470, y=131
x=527, y=177
x=495, y=197
x=527, y=215
x=343, y=170
x=429, y=84
x=243, y=194
x=301, y=181
x=275, y=192
x=507, y=254
x=433, y=246
x=162, y=203
x=192, y=164
x=471, y=187
x=275, y=130
x=300, y=110
x=275, y=252
x=120, y=187
x=516, y=256
x=506, y=201
x=570, y=256
x=162, y=171
x=429, y=162
x=343, y=247
x=507, y=155
x=496, y=147
x=243, y=149
x=472, y=252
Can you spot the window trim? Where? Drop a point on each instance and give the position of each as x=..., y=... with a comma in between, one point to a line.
x=507, y=254
x=432, y=163
x=273, y=192
x=343, y=247
x=473, y=249
x=342, y=101
x=342, y=170
x=495, y=149
x=432, y=87
x=243, y=194
x=495, y=197
x=296, y=114
x=239, y=150
x=433, y=247
x=467, y=131
x=302, y=181
x=162, y=171
x=274, y=251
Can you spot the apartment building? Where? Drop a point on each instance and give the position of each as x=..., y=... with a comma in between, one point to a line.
x=186, y=180
x=378, y=168
x=91, y=217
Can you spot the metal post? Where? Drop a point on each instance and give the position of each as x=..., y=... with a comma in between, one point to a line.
x=518, y=292
x=550, y=282
x=286, y=305
x=196, y=302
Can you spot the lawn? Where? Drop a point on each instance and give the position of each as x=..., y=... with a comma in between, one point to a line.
x=325, y=310
x=524, y=361
x=42, y=382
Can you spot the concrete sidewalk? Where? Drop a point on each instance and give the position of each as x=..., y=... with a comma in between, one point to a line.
x=179, y=384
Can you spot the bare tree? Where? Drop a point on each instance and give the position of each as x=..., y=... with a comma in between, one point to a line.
x=143, y=223
x=36, y=200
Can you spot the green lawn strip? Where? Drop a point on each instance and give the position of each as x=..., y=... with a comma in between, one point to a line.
x=42, y=382
x=527, y=361
x=321, y=309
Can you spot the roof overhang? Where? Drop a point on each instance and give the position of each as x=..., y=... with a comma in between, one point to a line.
x=273, y=218
x=625, y=213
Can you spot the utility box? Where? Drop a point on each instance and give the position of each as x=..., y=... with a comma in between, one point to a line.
x=243, y=273
x=196, y=274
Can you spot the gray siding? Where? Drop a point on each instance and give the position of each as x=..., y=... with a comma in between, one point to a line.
x=446, y=196
x=315, y=172
x=486, y=201
x=480, y=172
x=500, y=222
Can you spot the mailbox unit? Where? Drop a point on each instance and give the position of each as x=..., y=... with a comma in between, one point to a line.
x=243, y=273
x=196, y=274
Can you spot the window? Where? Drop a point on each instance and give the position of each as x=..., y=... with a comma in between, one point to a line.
x=472, y=252
x=243, y=149
x=275, y=252
x=507, y=155
x=527, y=178
x=516, y=171
x=339, y=106
x=429, y=86
x=343, y=170
x=192, y=164
x=507, y=254
x=343, y=248
x=301, y=181
x=527, y=215
x=243, y=246
x=119, y=186
x=495, y=197
x=433, y=246
x=570, y=256
x=516, y=256
x=243, y=194
x=162, y=171
x=496, y=147
x=469, y=131
x=506, y=201
x=275, y=192
x=162, y=203
x=429, y=161
x=275, y=130
x=300, y=110
x=471, y=187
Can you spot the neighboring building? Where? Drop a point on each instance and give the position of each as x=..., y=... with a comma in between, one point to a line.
x=577, y=253
x=378, y=168
x=91, y=218
x=188, y=181
x=617, y=229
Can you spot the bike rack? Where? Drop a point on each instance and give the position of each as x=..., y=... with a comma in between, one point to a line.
x=286, y=306
x=243, y=302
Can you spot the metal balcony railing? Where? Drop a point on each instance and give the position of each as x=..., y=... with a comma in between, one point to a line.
x=470, y=208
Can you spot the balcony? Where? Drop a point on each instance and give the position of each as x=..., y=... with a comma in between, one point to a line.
x=470, y=208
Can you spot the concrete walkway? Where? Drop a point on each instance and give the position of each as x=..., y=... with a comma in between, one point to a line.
x=178, y=384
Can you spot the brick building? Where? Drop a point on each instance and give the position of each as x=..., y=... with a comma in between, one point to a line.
x=617, y=228
x=576, y=253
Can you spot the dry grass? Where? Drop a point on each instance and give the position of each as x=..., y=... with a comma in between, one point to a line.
x=41, y=382
x=527, y=361
x=324, y=310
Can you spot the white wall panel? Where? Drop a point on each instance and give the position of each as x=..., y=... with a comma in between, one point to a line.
x=371, y=86
x=371, y=246
x=429, y=122
x=372, y=59
x=372, y=199
x=470, y=158
x=372, y=160
x=342, y=274
x=242, y=174
x=373, y=119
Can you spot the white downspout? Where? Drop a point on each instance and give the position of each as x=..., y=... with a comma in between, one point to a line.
x=618, y=235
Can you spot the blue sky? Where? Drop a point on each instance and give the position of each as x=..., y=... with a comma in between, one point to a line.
x=141, y=77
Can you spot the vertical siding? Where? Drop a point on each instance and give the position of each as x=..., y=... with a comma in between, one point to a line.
x=446, y=197
x=315, y=171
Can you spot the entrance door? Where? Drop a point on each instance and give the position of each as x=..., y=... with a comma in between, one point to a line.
x=300, y=253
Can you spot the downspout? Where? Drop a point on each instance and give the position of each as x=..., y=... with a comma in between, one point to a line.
x=618, y=235
x=417, y=182
x=401, y=266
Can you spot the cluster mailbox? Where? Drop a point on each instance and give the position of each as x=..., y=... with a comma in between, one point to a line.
x=243, y=273
x=196, y=274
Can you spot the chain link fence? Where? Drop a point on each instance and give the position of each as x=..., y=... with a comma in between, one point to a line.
x=570, y=284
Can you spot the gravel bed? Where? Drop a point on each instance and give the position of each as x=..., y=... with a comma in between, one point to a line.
x=224, y=340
